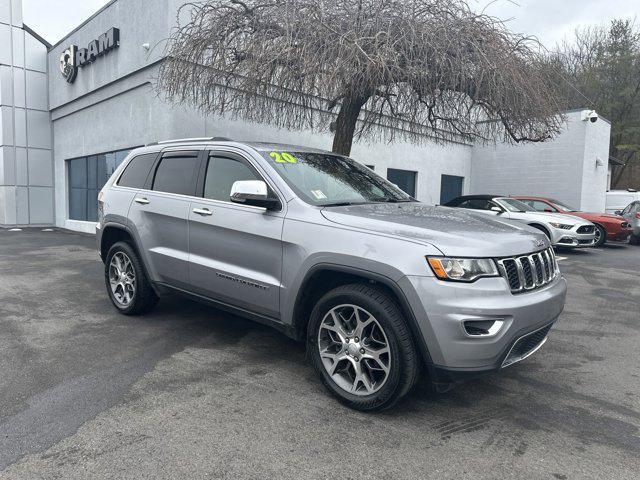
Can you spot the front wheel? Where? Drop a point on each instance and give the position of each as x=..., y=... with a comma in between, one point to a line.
x=600, y=236
x=127, y=284
x=362, y=348
x=634, y=239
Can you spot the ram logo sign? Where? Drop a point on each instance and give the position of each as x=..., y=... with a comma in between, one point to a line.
x=73, y=57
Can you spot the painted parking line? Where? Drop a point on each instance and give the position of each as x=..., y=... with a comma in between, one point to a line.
x=561, y=258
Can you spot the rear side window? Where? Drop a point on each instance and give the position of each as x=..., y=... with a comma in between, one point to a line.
x=222, y=172
x=136, y=173
x=177, y=174
x=476, y=204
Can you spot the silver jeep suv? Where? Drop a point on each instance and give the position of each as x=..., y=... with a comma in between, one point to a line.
x=378, y=285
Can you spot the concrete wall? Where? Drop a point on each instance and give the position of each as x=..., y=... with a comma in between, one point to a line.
x=97, y=114
x=563, y=168
x=26, y=169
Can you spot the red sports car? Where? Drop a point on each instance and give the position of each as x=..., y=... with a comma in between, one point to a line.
x=609, y=228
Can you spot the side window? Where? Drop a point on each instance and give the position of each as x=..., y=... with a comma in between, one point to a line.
x=539, y=206
x=135, y=174
x=222, y=172
x=177, y=174
x=476, y=204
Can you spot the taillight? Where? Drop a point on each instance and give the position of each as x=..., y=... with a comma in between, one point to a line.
x=638, y=215
x=100, y=205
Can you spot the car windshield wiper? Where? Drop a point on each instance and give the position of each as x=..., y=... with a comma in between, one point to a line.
x=391, y=200
x=339, y=204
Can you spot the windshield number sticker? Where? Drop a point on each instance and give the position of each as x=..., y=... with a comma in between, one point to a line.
x=319, y=194
x=283, y=157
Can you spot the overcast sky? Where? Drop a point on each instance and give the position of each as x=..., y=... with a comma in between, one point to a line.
x=549, y=20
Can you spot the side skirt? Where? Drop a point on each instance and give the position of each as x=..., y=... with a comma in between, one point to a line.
x=241, y=312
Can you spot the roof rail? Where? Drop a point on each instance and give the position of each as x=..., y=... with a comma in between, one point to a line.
x=197, y=139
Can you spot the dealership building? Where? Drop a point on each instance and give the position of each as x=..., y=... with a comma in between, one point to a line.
x=71, y=112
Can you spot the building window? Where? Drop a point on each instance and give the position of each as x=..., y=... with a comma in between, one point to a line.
x=450, y=188
x=405, y=179
x=87, y=175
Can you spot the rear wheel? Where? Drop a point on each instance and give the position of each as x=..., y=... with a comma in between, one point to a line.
x=600, y=236
x=361, y=347
x=127, y=284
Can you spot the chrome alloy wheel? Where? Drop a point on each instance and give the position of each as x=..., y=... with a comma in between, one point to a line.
x=122, y=278
x=354, y=349
x=598, y=236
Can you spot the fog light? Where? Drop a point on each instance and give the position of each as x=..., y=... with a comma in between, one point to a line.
x=482, y=328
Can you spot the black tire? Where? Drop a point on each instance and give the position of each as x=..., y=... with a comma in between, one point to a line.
x=634, y=240
x=403, y=357
x=144, y=298
x=603, y=236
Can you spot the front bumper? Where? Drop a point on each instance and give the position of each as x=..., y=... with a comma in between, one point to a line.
x=571, y=239
x=621, y=236
x=442, y=310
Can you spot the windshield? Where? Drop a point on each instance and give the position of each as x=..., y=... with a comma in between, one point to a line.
x=330, y=180
x=513, y=205
x=562, y=206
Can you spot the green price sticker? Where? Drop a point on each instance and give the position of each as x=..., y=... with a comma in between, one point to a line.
x=283, y=157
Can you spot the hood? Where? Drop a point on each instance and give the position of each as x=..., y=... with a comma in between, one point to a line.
x=552, y=217
x=455, y=232
x=596, y=216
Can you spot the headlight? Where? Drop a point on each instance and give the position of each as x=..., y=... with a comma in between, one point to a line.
x=563, y=226
x=462, y=269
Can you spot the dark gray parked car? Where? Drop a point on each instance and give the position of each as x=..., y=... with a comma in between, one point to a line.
x=632, y=214
x=379, y=285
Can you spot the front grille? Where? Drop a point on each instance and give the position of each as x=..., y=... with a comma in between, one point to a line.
x=528, y=272
x=586, y=229
x=524, y=346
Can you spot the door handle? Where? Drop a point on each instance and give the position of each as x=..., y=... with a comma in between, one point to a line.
x=205, y=212
x=141, y=200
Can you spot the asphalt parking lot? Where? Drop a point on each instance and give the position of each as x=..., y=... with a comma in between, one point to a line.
x=191, y=392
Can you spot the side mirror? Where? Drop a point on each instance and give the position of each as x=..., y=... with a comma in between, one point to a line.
x=496, y=209
x=254, y=193
x=548, y=210
x=618, y=212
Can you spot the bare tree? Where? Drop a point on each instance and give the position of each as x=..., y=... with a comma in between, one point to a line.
x=412, y=68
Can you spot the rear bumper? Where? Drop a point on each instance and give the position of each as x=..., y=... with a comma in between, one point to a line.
x=442, y=310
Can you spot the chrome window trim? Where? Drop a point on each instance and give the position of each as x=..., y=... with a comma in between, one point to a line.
x=196, y=199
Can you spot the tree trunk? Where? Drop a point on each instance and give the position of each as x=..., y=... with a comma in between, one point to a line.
x=346, y=123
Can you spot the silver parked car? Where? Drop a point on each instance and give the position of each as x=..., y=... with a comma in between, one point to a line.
x=563, y=230
x=632, y=214
x=378, y=285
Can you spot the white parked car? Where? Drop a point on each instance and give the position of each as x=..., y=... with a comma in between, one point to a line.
x=562, y=230
x=618, y=200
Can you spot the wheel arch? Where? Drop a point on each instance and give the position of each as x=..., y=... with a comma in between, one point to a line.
x=111, y=234
x=322, y=278
x=541, y=227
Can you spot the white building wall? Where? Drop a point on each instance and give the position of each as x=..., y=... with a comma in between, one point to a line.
x=26, y=169
x=595, y=168
x=135, y=116
x=563, y=168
